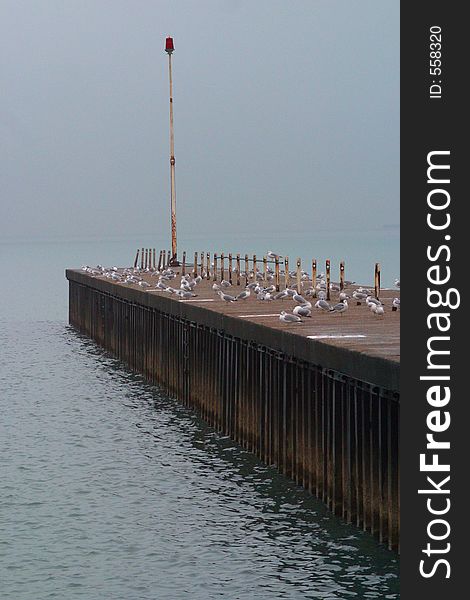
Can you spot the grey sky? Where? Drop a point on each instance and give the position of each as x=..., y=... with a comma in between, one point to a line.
x=286, y=115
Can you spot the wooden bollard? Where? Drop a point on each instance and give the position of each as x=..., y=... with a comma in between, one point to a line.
x=142, y=259
x=164, y=260
x=286, y=272
x=208, y=266
x=314, y=277
x=222, y=267
x=146, y=258
x=299, y=276
x=255, y=270
x=377, y=280
x=265, y=269
x=168, y=259
x=183, y=266
x=136, y=260
x=154, y=253
x=247, y=269
x=276, y=272
x=230, y=267
x=202, y=264
x=215, y=267
x=160, y=259
x=341, y=276
x=238, y=268
x=195, y=265
x=328, y=275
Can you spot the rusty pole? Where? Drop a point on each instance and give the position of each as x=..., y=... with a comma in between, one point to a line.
x=215, y=267
x=299, y=276
x=328, y=269
x=142, y=259
x=222, y=266
x=208, y=266
x=286, y=272
x=247, y=269
x=276, y=270
x=146, y=258
x=164, y=260
x=254, y=267
x=265, y=270
x=238, y=268
x=341, y=275
x=230, y=267
x=183, y=269
x=136, y=260
x=314, y=277
x=154, y=255
x=173, y=262
x=202, y=264
x=160, y=258
x=195, y=265
x=377, y=280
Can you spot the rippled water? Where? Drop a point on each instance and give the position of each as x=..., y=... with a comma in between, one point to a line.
x=111, y=490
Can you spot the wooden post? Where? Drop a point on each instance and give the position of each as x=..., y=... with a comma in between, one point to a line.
x=215, y=267
x=314, y=277
x=328, y=274
x=254, y=267
x=154, y=258
x=377, y=280
x=341, y=275
x=222, y=266
x=286, y=272
x=142, y=259
x=183, y=266
x=146, y=258
x=265, y=270
x=136, y=260
x=247, y=269
x=202, y=264
x=208, y=266
x=160, y=258
x=230, y=267
x=238, y=268
x=276, y=271
x=299, y=276
x=195, y=265
x=164, y=260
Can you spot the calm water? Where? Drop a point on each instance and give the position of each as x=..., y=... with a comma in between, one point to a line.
x=111, y=490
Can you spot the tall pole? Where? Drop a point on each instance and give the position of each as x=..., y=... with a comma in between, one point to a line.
x=169, y=48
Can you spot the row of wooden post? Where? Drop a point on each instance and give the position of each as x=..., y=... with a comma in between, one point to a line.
x=202, y=263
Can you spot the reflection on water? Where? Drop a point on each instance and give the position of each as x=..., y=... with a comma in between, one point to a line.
x=113, y=490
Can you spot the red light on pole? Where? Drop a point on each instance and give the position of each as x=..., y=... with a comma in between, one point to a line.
x=169, y=47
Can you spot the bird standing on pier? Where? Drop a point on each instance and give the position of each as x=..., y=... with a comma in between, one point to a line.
x=303, y=311
x=226, y=297
x=341, y=307
x=323, y=305
x=288, y=318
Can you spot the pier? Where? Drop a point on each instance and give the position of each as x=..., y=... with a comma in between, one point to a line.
x=317, y=399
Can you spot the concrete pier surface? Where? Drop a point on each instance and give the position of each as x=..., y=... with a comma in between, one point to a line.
x=319, y=399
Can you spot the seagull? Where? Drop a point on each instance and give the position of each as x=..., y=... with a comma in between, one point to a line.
x=226, y=297
x=225, y=284
x=273, y=255
x=377, y=309
x=161, y=286
x=323, y=305
x=395, y=304
x=280, y=295
x=341, y=307
x=359, y=296
x=302, y=311
x=371, y=300
x=144, y=284
x=243, y=295
x=184, y=294
x=299, y=299
x=397, y=283
x=288, y=318
x=343, y=296
x=216, y=287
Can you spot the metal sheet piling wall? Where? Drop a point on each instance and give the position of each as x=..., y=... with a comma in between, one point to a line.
x=333, y=434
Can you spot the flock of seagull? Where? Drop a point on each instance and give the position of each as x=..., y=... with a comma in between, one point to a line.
x=315, y=291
